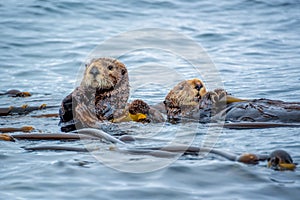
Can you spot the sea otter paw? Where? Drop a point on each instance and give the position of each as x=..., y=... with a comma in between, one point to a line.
x=109, y=112
x=105, y=111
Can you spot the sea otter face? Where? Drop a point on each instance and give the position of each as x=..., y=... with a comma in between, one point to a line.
x=184, y=97
x=138, y=106
x=139, y=110
x=104, y=73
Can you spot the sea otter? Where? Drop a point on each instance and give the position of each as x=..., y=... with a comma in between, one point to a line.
x=218, y=105
x=183, y=99
x=102, y=95
x=281, y=160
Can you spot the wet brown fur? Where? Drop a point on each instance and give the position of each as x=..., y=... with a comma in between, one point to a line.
x=184, y=97
x=102, y=94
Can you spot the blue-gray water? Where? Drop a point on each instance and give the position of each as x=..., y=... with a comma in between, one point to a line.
x=255, y=47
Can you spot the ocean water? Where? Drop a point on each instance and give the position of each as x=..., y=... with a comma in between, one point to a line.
x=253, y=45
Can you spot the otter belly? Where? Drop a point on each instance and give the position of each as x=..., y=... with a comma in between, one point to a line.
x=262, y=110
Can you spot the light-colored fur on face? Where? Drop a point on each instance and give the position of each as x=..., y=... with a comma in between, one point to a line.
x=186, y=93
x=104, y=73
x=184, y=97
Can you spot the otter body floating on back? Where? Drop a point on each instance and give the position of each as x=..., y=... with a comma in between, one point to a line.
x=102, y=95
x=263, y=110
x=218, y=105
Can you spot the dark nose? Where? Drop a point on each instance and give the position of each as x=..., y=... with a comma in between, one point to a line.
x=198, y=86
x=94, y=71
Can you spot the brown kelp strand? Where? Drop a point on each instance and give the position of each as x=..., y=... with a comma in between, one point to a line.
x=22, y=110
x=14, y=129
x=16, y=93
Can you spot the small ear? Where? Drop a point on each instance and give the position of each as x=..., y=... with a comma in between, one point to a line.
x=86, y=65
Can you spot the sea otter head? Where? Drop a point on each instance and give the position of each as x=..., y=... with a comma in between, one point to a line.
x=104, y=74
x=139, y=111
x=138, y=106
x=183, y=98
x=281, y=160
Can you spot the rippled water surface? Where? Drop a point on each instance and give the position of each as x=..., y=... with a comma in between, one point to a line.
x=254, y=46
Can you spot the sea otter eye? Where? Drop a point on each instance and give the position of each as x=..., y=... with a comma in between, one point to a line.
x=198, y=87
x=110, y=67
